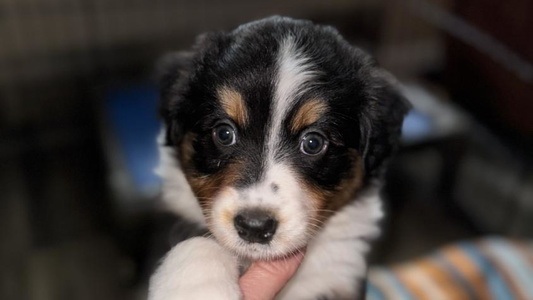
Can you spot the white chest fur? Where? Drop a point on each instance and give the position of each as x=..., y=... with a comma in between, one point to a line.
x=335, y=259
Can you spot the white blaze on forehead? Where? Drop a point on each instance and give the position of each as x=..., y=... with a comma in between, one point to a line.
x=289, y=201
x=294, y=76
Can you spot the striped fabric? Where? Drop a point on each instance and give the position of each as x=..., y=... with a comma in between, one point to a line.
x=490, y=268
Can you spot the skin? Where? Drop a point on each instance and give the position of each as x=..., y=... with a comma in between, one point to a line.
x=264, y=279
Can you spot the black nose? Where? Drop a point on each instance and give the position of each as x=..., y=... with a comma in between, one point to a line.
x=255, y=226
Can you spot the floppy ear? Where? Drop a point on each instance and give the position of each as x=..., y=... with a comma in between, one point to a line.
x=381, y=122
x=171, y=67
x=173, y=73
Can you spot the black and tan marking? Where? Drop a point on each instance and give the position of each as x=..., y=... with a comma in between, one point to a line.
x=233, y=104
x=273, y=82
x=310, y=112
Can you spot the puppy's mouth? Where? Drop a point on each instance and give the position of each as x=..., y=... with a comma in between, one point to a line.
x=262, y=223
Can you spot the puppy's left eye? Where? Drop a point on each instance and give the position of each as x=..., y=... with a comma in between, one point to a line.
x=313, y=143
x=225, y=135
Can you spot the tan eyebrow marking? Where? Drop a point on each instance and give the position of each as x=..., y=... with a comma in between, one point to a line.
x=308, y=114
x=233, y=104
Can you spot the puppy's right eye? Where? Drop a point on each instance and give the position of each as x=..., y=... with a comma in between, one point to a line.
x=313, y=144
x=225, y=135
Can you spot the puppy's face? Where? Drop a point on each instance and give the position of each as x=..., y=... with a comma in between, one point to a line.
x=277, y=125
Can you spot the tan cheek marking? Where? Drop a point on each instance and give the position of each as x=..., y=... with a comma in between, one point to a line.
x=349, y=187
x=228, y=213
x=205, y=187
x=227, y=217
x=307, y=114
x=201, y=185
x=318, y=210
x=234, y=105
x=325, y=203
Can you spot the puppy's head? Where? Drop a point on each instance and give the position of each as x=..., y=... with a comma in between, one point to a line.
x=277, y=125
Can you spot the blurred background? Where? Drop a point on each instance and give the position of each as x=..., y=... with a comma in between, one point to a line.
x=79, y=211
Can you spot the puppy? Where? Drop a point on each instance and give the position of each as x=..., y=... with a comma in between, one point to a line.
x=276, y=136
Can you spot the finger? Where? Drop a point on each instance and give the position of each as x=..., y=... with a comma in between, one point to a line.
x=264, y=279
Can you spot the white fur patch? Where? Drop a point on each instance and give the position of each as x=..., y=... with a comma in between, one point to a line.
x=294, y=77
x=196, y=269
x=291, y=202
x=177, y=194
x=335, y=259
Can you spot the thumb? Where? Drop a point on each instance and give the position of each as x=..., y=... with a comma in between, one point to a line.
x=264, y=279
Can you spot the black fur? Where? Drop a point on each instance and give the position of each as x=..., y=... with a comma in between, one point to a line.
x=366, y=110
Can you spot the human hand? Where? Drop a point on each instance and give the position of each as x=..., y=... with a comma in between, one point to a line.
x=264, y=279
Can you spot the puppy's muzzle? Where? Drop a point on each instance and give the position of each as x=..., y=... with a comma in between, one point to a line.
x=255, y=226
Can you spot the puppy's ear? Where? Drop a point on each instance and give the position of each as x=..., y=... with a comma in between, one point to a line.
x=381, y=121
x=173, y=73
x=171, y=67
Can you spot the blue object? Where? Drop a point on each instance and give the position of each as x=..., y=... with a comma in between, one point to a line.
x=132, y=112
x=417, y=126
